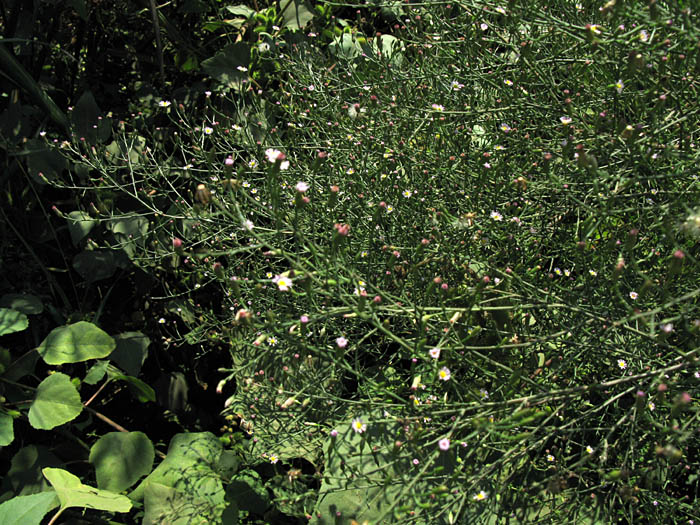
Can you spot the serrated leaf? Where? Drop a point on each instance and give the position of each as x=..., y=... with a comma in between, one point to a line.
x=28, y=510
x=12, y=321
x=56, y=402
x=22, y=302
x=121, y=458
x=75, y=343
x=72, y=493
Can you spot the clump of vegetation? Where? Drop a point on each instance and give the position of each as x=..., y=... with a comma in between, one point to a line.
x=431, y=263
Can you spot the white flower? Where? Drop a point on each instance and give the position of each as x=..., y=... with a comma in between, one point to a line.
x=434, y=353
x=496, y=216
x=444, y=374
x=622, y=364
x=208, y=130
x=480, y=496
x=444, y=444
x=358, y=425
x=566, y=120
x=164, y=103
x=283, y=283
x=301, y=187
x=272, y=154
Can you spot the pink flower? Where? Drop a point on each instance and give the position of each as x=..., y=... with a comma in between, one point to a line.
x=434, y=353
x=341, y=342
x=444, y=444
x=301, y=187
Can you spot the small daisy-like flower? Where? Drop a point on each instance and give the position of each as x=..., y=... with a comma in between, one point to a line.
x=557, y=271
x=634, y=295
x=301, y=187
x=364, y=253
x=444, y=374
x=341, y=342
x=593, y=273
x=389, y=208
x=248, y=225
x=358, y=425
x=508, y=82
x=566, y=120
x=406, y=193
x=622, y=364
x=505, y=128
x=644, y=35
x=438, y=107
x=480, y=496
x=619, y=86
x=567, y=273
x=253, y=163
x=500, y=10
x=589, y=449
x=208, y=130
x=444, y=444
x=272, y=154
x=456, y=85
x=550, y=458
x=496, y=216
x=272, y=340
x=283, y=283
x=164, y=103
x=651, y=405
x=236, y=127
x=498, y=147
x=484, y=393
x=273, y=459
x=242, y=68
x=483, y=26
x=434, y=353
x=595, y=29
x=161, y=320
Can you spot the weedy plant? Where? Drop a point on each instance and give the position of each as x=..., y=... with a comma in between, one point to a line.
x=452, y=264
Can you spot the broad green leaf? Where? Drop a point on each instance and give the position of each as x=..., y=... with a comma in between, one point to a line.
x=21, y=366
x=7, y=430
x=192, y=459
x=75, y=343
x=344, y=46
x=224, y=65
x=25, y=475
x=130, y=232
x=87, y=122
x=28, y=510
x=248, y=491
x=131, y=351
x=241, y=10
x=141, y=390
x=164, y=504
x=95, y=265
x=296, y=14
x=72, y=493
x=12, y=321
x=56, y=402
x=96, y=373
x=121, y=458
x=44, y=164
x=22, y=302
x=79, y=225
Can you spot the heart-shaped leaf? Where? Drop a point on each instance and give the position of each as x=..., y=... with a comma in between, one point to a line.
x=121, y=458
x=79, y=225
x=75, y=343
x=72, y=493
x=56, y=402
